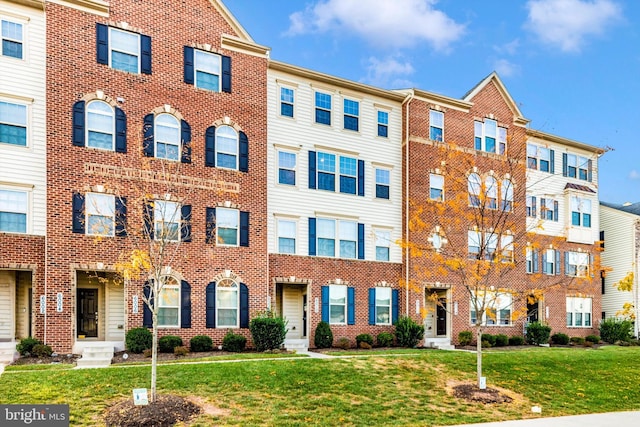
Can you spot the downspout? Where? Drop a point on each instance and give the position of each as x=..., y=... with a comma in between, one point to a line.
x=636, y=280
x=406, y=101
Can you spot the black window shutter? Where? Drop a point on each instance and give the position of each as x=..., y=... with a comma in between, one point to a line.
x=186, y=141
x=552, y=166
x=148, y=219
x=145, y=57
x=533, y=207
x=78, y=124
x=147, y=318
x=211, y=225
x=121, y=131
x=555, y=210
x=536, y=261
x=324, y=292
x=360, y=177
x=312, y=236
x=244, y=306
x=210, y=147
x=78, y=213
x=185, y=223
x=557, y=262
x=565, y=165
x=372, y=306
x=243, y=165
x=148, y=143
x=244, y=228
x=395, y=306
x=121, y=216
x=185, y=304
x=226, y=74
x=102, y=44
x=211, y=305
x=312, y=169
x=188, y=65
x=360, y=241
x=351, y=306
x=566, y=263
x=590, y=170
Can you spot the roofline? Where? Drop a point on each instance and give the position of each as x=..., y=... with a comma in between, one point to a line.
x=618, y=210
x=564, y=141
x=502, y=89
x=336, y=81
x=231, y=20
x=97, y=7
x=441, y=100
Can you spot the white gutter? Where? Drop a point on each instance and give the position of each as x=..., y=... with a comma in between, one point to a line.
x=406, y=101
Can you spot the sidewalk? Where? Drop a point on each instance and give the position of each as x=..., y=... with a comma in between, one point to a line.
x=617, y=419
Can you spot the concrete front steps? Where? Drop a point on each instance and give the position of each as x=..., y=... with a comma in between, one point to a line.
x=298, y=345
x=8, y=352
x=96, y=356
x=439, y=343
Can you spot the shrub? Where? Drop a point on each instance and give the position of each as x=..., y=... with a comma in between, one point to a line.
x=588, y=344
x=41, y=350
x=516, y=340
x=147, y=352
x=577, y=340
x=168, y=343
x=323, y=337
x=365, y=345
x=385, y=339
x=181, y=350
x=560, y=339
x=343, y=343
x=537, y=333
x=364, y=338
x=612, y=330
x=491, y=339
x=502, y=340
x=594, y=339
x=233, y=342
x=465, y=337
x=486, y=344
x=25, y=346
x=268, y=331
x=138, y=340
x=201, y=343
x=408, y=332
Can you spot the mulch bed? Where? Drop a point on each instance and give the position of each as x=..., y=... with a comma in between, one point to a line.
x=60, y=358
x=167, y=410
x=473, y=393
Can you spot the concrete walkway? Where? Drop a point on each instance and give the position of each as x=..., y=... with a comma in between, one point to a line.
x=617, y=419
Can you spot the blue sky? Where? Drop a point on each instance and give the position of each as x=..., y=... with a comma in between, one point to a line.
x=573, y=66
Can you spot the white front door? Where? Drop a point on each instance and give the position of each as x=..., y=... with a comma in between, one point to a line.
x=292, y=308
x=7, y=306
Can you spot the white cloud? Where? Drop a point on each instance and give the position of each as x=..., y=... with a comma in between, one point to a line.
x=634, y=174
x=567, y=23
x=388, y=73
x=397, y=23
x=510, y=48
x=505, y=68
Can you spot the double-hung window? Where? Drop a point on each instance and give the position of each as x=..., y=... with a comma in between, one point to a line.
x=338, y=304
x=550, y=259
x=490, y=246
x=287, y=97
x=100, y=214
x=532, y=258
x=491, y=192
x=576, y=264
x=383, y=181
x=14, y=206
x=531, y=206
x=13, y=123
x=436, y=187
x=383, y=124
x=226, y=147
x=326, y=171
x=383, y=244
x=167, y=220
x=497, y=305
x=506, y=193
x=473, y=243
x=351, y=114
x=227, y=303
x=100, y=125
x=286, y=236
x=572, y=165
x=287, y=167
x=383, y=306
x=228, y=226
x=583, y=168
x=348, y=232
x=169, y=303
x=207, y=70
x=579, y=312
x=436, y=125
x=580, y=212
x=474, y=188
x=548, y=209
x=544, y=155
x=489, y=137
x=167, y=137
x=348, y=175
x=124, y=50
x=323, y=108
x=326, y=229
x=506, y=246
x=12, y=39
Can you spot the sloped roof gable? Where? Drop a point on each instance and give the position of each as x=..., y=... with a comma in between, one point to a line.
x=493, y=77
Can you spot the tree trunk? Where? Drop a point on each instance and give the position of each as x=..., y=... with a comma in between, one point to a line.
x=479, y=353
x=154, y=356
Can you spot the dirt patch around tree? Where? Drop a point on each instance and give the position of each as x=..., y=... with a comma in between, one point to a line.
x=166, y=411
x=471, y=392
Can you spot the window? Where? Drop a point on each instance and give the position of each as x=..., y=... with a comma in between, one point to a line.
x=506, y=247
x=326, y=237
x=13, y=123
x=502, y=140
x=100, y=125
x=476, y=242
x=583, y=169
x=532, y=260
x=580, y=212
x=100, y=214
x=167, y=137
x=548, y=209
x=286, y=101
x=438, y=240
x=338, y=304
x=323, y=108
x=323, y=233
x=322, y=173
x=383, y=306
x=12, y=39
x=97, y=124
x=475, y=186
x=383, y=124
x=351, y=114
x=473, y=243
x=575, y=166
x=492, y=192
x=550, y=261
x=576, y=264
x=124, y=50
x=348, y=232
x=436, y=187
x=497, y=308
x=287, y=168
x=540, y=158
x=207, y=70
x=169, y=303
x=383, y=243
x=579, y=312
x=490, y=246
x=436, y=125
x=227, y=303
x=166, y=219
x=14, y=206
x=348, y=175
x=228, y=226
x=383, y=181
x=326, y=171
x=487, y=133
x=506, y=194
x=531, y=206
x=226, y=147
x=287, y=236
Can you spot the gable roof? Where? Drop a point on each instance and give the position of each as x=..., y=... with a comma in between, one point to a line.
x=232, y=21
x=493, y=77
x=632, y=208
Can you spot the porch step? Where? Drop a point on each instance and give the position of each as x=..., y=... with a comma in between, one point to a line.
x=8, y=352
x=439, y=343
x=96, y=356
x=296, y=344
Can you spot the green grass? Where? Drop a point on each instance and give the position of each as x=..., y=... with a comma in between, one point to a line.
x=405, y=389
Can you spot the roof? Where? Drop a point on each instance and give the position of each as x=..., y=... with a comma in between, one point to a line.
x=493, y=77
x=632, y=208
x=564, y=141
x=578, y=187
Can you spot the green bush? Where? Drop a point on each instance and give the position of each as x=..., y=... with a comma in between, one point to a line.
x=41, y=350
x=560, y=339
x=465, y=337
x=537, y=333
x=365, y=345
x=486, y=344
x=613, y=330
x=592, y=339
x=502, y=340
x=323, y=337
x=181, y=350
x=576, y=340
x=25, y=346
x=516, y=340
x=384, y=339
x=364, y=338
x=201, y=343
x=268, y=331
x=233, y=342
x=168, y=343
x=491, y=339
x=408, y=332
x=343, y=343
x=138, y=340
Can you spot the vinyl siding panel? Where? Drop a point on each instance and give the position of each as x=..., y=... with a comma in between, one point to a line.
x=115, y=312
x=7, y=303
x=292, y=311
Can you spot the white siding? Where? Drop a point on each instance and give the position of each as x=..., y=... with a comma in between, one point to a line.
x=301, y=134
x=292, y=311
x=115, y=312
x=22, y=307
x=23, y=81
x=7, y=290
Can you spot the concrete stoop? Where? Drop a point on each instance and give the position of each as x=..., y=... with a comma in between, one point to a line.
x=439, y=343
x=298, y=345
x=8, y=353
x=96, y=356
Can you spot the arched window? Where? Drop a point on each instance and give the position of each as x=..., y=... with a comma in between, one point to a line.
x=226, y=147
x=475, y=185
x=100, y=125
x=507, y=195
x=169, y=303
x=491, y=192
x=167, y=137
x=227, y=303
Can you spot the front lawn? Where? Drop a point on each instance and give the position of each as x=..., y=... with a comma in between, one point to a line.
x=405, y=389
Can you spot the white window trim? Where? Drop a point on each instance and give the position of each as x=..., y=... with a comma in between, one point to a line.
x=195, y=69
x=28, y=189
x=491, y=303
x=176, y=220
x=237, y=152
x=237, y=211
x=431, y=125
x=177, y=286
x=431, y=186
x=87, y=214
x=113, y=125
x=571, y=303
x=376, y=236
x=390, y=306
x=346, y=303
x=579, y=267
x=155, y=137
x=295, y=237
x=383, y=110
x=345, y=114
x=278, y=167
x=375, y=173
x=315, y=107
x=26, y=102
x=111, y=49
x=280, y=102
x=219, y=307
x=16, y=19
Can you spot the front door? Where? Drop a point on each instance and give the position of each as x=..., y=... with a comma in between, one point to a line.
x=441, y=317
x=88, y=312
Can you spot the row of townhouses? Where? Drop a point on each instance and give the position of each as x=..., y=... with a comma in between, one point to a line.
x=286, y=188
